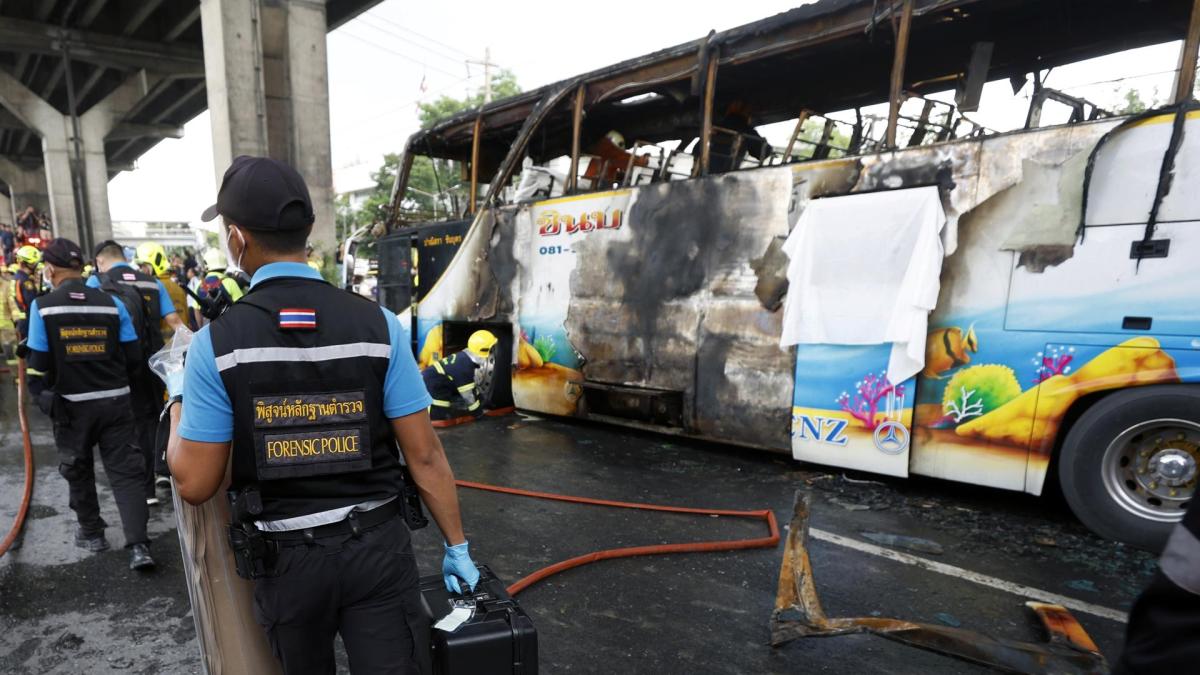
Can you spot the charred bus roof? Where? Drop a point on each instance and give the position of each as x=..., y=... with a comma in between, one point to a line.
x=826, y=56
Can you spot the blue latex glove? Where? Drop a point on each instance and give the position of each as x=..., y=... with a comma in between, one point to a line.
x=175, y=384
x=458, y=565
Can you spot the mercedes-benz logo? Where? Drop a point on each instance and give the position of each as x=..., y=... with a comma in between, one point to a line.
x=891, y=437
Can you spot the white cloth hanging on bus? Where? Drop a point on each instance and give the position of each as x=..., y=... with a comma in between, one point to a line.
x=865, y=269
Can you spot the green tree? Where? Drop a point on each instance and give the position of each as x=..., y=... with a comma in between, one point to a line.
x=504, y=84
x=435, y=187
x=373, y=211
x=1132, y=103
x=812, y=131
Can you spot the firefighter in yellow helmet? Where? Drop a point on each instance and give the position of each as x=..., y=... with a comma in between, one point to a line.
x=27, y=285
x=153, y=258
x=451, y=381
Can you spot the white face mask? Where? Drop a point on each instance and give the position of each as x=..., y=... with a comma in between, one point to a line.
x=236, y=264
x=47, y=276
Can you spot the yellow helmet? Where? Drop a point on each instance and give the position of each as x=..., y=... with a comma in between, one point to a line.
x=29, y=255
x=153, y=254
x=481, y=342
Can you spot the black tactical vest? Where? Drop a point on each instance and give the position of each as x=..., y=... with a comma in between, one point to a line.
x=304, y=365
x=144, y=283
x=83, y=328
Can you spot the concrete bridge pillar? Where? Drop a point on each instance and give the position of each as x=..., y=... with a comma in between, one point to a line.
x=26, y=187
x=268, y=91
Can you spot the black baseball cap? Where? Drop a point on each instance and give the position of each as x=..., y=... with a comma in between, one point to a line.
x=105, y=244
x=63, y=253
x=256, y=194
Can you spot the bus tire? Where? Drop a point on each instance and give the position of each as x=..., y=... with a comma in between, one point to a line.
x=1128, y=467
x=495, y=377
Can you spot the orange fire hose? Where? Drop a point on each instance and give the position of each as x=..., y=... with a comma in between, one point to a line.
x=608, y=554
x=22, y=394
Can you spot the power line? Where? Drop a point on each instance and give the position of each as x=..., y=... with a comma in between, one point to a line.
x=409, y=43
x=395, y=109
x=400, y=54
x=406, y=29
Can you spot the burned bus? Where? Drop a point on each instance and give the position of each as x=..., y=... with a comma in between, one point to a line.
x=889, y=287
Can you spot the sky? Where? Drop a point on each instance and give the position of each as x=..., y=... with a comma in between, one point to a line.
x=378, y=62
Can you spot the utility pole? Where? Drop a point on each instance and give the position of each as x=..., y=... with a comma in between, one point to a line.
x=487, y=73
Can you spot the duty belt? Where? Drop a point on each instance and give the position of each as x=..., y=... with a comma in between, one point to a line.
x=353, y=524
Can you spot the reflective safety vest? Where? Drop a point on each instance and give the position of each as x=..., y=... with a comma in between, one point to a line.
x=7, y=304
x=451, y=379
x=304, y=364
x=83, y=328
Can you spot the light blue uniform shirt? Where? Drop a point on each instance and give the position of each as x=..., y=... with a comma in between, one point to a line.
x=37, y=328
x=164, y=300
x=207, y=414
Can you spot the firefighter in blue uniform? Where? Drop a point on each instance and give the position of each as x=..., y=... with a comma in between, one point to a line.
x=84, y=341
x=451, y=381
x=112, y=268
x=311, y=390
x=1163, y=635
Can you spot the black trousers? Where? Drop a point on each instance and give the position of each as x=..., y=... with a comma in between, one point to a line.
x=146, y=428
x=366, y=589
x=1163, y=635
x=147, y=405
x=108, y=423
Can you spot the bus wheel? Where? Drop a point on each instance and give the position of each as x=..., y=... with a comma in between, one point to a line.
x=493, y=379
x=1129, y=466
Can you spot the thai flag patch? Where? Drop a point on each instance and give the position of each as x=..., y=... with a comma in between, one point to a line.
x=129, y=276
x=75, y=295
x=298, y=319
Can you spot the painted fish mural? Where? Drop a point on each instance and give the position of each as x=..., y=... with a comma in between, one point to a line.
x=947, y=349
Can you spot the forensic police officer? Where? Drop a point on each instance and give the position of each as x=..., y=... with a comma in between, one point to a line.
x=83, y=339
x=311, y=389
x=451, y=380
x=113, y=268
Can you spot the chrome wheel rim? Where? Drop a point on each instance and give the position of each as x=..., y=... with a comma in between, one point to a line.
x=484, y=374
x=1150, y=470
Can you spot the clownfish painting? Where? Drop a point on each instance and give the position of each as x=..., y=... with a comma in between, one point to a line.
x=948, y=348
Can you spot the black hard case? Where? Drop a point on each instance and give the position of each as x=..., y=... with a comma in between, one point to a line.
x=499, y=638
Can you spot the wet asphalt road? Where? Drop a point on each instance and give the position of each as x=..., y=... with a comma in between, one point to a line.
x=65, y=611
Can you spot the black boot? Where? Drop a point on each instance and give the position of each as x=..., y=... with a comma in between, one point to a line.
x=139, y=557
x=94, y=543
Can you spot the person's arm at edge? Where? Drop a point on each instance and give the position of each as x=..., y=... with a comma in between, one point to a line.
x=198, y=446
x=406, y=403
x=37, y=342
x=198, y=467
x=166, y=310
x=431, y=471
x=129, y=340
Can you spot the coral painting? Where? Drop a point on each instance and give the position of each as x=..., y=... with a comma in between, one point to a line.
x=1056, y=360
x=1134, y=362
x=978, y=390
x=869, y=392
